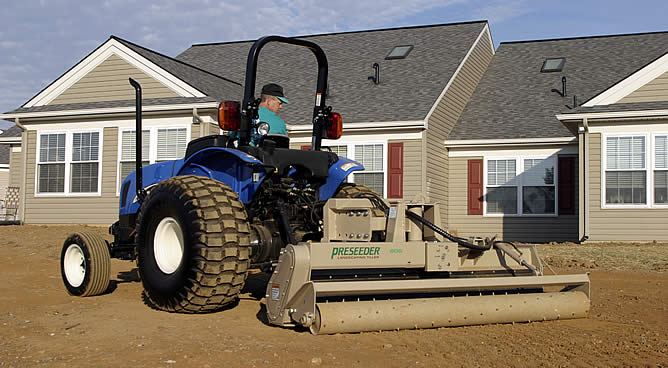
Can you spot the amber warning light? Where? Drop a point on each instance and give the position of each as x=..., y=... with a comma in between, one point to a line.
x=229, y=115
x=335, y=126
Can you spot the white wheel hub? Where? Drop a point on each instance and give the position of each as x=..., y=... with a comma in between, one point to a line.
x=74, y=265
x=168, y=245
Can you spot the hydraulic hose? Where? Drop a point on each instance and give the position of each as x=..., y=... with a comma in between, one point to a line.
x=452, y=238
x=379, y=203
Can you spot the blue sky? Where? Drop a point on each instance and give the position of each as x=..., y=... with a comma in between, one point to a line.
x=42, y=39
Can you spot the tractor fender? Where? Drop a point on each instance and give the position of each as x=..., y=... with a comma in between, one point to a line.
x=238, y=170
x=229, y=166
x=337, y=174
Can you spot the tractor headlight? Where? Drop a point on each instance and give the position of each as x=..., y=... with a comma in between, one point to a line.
x=263, y=128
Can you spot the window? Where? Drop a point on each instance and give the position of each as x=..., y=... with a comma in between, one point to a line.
x=625, y=172
x=69, y=163
x=373, y=176
x=158, y=144
x=372, y=157
x=553, y=65
x=661, y=169
x=520, y=186
x=51, y=167
x=399, y=52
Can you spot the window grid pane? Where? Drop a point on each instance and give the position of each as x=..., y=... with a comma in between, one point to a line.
x=52, y=147
x=501, y=172
x=84, y=177
x=85, y=146
x=501, y=200
x=171, y=144
x=370, y=156
x=661, y=152
x=625, y=153
x=625, y=187
x=538, y=200
x=51, y=178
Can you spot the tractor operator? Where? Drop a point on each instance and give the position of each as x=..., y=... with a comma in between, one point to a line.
x=271, y=103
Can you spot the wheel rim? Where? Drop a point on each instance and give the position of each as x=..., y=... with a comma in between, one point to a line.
x=168, y=245
x=74, y=265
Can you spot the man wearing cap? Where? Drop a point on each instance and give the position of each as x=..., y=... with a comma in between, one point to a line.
x=271, y=102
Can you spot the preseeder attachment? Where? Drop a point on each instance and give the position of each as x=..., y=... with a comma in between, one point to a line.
x=414, y=278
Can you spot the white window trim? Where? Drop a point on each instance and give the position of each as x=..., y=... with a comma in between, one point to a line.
x=653, y=168
x=153, y=146
x=351, y=155
x=649, y=163
x=519, y=166
x=69, y=141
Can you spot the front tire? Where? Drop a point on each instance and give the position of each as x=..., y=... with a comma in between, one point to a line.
x=193, y=245
x=84, y=264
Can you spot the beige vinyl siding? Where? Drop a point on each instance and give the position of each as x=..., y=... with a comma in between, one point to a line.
x=656, y=90
x=15, y=168
x=4, y=182
x=618, y=224
x=109, y=82
x=412, y=167
x=75, y=210
x=511, y=228
x=444, y=118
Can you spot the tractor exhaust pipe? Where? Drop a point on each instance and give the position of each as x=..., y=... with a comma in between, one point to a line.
x=141, y=194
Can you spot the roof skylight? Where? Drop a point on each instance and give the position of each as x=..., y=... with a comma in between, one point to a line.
x=399, y=52
x=553, y=65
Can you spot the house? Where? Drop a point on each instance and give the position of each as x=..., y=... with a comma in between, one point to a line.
x=549, y=140
x=79, y=131
x=565, y=139
x=80, y=137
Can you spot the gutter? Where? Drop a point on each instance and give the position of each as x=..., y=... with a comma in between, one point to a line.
x=65, y=114
x=614, y=115
x=471, y=143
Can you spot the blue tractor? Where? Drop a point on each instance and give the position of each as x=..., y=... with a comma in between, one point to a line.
x=196, y=225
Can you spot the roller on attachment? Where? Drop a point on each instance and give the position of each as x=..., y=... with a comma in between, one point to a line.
x=389, y=268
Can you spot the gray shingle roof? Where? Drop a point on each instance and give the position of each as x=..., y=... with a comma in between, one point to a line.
x=408, y=87
x=13, y=131
x=112, y=104
x=208, y=83
x=514, y=100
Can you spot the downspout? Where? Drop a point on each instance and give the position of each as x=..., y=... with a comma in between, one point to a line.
x=584, y=179
x=199, y=121
x=24, y=175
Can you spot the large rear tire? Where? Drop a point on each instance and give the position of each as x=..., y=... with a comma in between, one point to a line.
x=84, y=264
x=193, y=245
x=351, y=190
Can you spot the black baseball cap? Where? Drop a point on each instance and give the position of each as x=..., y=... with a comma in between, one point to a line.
x=273, y=89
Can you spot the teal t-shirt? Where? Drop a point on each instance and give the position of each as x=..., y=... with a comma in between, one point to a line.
x=276, y=124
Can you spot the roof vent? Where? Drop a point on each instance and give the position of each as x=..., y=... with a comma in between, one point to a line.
x=399, y=52
x=376, y=74
x=553, y=65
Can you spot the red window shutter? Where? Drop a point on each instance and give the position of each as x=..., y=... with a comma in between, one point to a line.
x=306, y=148
x=566, y=185
x=395, y=176
x=475, y=187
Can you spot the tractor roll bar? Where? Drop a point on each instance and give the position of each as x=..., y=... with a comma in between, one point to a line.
x=249, y=107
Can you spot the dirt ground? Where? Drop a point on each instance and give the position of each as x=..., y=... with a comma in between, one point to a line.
x=43, y=326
